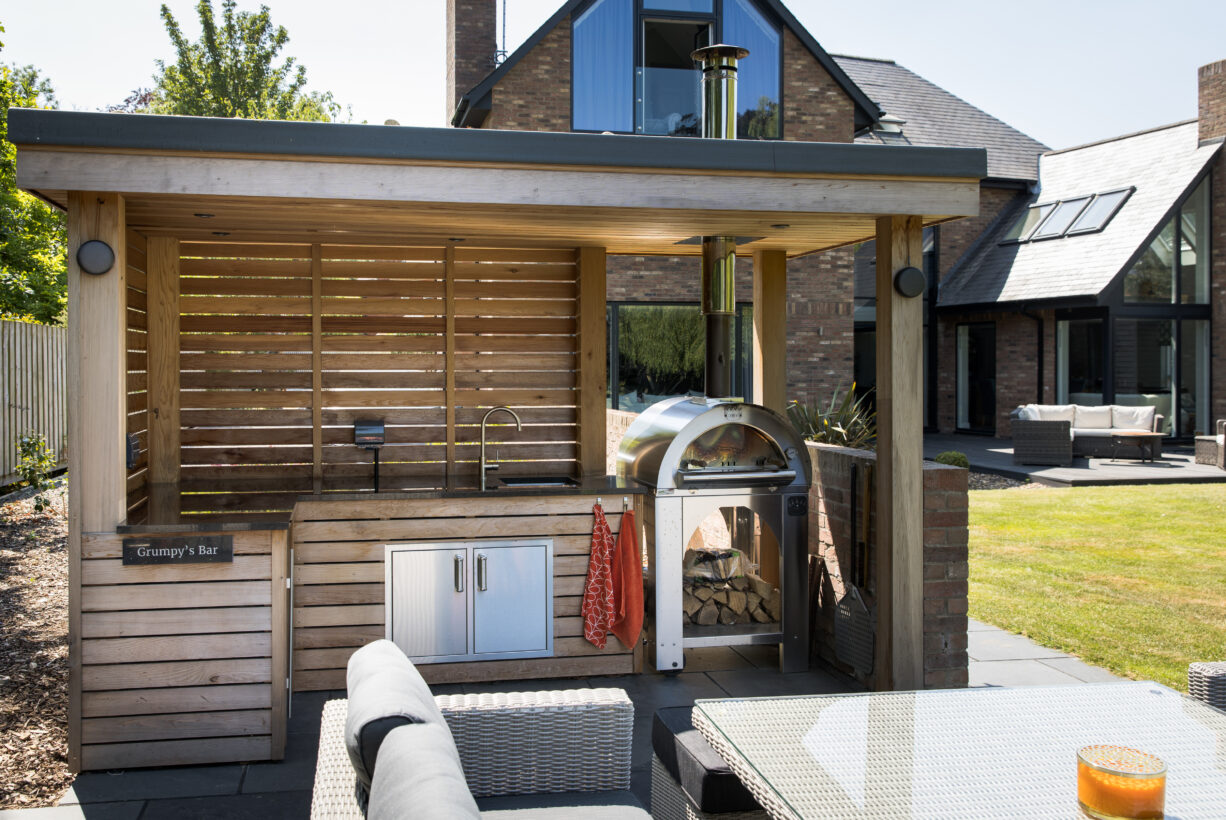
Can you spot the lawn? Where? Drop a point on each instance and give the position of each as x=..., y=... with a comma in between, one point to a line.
x=1129, y=578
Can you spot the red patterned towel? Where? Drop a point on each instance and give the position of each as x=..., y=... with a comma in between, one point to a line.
x=597, y=608
x=628, y=584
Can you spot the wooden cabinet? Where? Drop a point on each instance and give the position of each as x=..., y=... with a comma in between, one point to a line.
x=471, y=600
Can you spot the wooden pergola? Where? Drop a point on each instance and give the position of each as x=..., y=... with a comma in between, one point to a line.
x=178, y=181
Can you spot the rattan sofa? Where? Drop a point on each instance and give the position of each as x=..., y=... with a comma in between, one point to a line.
x=556, y=754
x=1054, y=434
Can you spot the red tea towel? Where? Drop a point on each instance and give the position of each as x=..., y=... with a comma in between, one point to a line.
x=627, y=584
x=597, y=608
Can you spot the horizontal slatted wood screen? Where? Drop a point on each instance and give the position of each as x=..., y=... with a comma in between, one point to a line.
x=284, y=347
x=138, y=365
x=338, y=549
x=183, y=663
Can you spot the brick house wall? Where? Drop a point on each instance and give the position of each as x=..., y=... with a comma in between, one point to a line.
x=1212, y=113
x=472, y=46
x=535, y=93
x=945, y=559
x=815, y=108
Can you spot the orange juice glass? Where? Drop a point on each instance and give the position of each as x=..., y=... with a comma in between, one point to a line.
x=1118, y=783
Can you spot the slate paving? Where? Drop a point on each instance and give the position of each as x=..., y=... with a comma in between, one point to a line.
x=282, y=789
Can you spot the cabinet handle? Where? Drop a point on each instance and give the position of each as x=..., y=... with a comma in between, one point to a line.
x=458, y=566
x=481, y=579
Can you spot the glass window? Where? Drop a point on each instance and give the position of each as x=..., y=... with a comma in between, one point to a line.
x=1151, y=279
x=1144, y=365
x=976, y=384
x=1099, y=212
x=757, y=90
x=669, y=95
x=1194, y=377
x=1079, y=362
x=1060, y=219
x=699, y=6
x=1194, y=247
x=603, y=67
x=1027, y=222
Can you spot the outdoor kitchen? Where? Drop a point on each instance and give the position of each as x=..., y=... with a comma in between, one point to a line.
x=359, y=373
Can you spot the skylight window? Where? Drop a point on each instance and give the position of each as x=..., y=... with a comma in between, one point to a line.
x=1099, y=212
x=1027, y=222
x=1064, y=215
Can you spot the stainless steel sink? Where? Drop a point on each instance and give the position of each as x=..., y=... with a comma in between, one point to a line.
x=529, y=481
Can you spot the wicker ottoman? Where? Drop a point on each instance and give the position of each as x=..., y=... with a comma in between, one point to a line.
x=1206, y=450
x=689, y=780
x=1207, y=682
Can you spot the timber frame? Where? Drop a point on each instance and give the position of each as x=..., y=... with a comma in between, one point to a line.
x=275, y=216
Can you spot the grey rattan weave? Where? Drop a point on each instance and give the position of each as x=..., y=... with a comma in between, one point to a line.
x=974, y=754
x=1207, y=683
x=1042, y=442
x=670, y=802
x=509, y=743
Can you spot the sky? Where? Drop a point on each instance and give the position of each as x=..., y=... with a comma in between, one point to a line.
x=1066, y=72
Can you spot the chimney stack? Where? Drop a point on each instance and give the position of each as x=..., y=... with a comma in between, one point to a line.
x=1212, y=101
x=472, y=46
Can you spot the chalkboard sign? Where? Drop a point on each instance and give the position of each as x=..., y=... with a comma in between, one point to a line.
x=199, y=549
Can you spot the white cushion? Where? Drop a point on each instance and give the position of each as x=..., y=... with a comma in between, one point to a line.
x=1054, y=412
x=1093, y=418
x=1132, y=418
x=1092, y=432
x=1028, y=412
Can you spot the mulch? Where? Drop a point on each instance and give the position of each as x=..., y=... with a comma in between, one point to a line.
x=991, y=481
x=33, y=652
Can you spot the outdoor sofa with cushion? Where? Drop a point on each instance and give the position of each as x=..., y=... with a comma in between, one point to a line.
x=1055, y=433
x=393, y=750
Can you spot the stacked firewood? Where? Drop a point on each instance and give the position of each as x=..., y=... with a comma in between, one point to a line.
x=742, y=600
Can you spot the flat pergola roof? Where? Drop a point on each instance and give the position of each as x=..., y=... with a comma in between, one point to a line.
x=340, y=184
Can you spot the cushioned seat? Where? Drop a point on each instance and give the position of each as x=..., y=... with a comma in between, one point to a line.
x=701, y=772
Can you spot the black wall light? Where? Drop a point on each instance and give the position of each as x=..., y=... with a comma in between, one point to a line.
x=910, y=282
x=95, y=257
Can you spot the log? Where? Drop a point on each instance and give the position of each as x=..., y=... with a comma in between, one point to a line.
x=708, y=615
x=703, y=593
x=737, y=601
x=726, y=616
x=690, y=604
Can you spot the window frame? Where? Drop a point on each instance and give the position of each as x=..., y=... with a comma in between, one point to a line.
x=640, y=14
x=1052, y=203
x=1034, y=235
x=1126, y=191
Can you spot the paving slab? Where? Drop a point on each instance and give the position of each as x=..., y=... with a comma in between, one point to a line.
x=655, y=691
x=295, y=772
x=753, y=683
x=1029, y=672
x=126, y=810
x=998, y=645
x=979, y=626
x=171, y=782
x=1080, y=669
x=282, y=806
x=708, y=658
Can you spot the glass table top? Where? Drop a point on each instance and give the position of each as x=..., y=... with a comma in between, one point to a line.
x=962, y=753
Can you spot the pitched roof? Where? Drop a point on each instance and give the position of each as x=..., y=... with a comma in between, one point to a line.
x=934, y=117
x=1162, y=164
x=475, y=104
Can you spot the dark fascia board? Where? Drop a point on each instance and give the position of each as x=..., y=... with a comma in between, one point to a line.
x=475, y=105
x=1017, y=305
x=146, y=132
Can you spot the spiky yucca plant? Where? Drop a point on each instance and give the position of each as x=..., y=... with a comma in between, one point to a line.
x=846, y=421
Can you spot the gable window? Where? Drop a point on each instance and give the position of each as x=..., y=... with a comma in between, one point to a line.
x=632, y=72
x=1174, y=268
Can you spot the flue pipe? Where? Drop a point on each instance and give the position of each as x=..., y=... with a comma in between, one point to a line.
x=719, y=63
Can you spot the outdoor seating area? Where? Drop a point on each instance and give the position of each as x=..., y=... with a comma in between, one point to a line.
x=1056, y=433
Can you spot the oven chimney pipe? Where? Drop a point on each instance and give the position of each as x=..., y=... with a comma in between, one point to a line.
x=719, y=63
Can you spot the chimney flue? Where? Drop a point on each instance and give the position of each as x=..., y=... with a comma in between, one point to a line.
x=719, y=64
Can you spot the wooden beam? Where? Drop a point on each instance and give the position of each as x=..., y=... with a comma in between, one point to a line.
x=770, y=330
x=592, y=375
x=900, y=436
x=317, y=379
x=449, y=362
x=282, y=640
x=163, y=341
x=97, y=408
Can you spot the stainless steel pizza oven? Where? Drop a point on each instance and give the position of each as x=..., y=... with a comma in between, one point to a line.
x=746, y=464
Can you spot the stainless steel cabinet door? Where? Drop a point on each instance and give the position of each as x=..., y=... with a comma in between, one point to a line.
x=429, y=606
x=511, y=603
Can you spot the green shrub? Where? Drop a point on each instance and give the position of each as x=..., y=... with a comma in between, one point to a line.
x=35, y=466
x=848, y=422
x=953, y=458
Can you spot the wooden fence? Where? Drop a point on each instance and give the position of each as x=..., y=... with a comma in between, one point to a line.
x=33, y=391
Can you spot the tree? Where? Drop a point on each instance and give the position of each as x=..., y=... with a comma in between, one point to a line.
x=231, y=71
x=33, y=277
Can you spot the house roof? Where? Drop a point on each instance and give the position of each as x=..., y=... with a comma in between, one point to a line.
x=1162, y=165
x=934, y=117
x=475, y=104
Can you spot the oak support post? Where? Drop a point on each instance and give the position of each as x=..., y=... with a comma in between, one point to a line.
x=163, y=346
x=281, y=640
x=452, y=472
x=900, y=501
x=592, y=374
x=770, y=330
x=317, y=382
x=97, y=408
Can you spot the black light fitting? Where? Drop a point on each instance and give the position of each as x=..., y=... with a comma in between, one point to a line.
x=95, y=257
x=910, y=282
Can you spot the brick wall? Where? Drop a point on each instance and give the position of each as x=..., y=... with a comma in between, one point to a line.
x=471, y=46
x=945, y=559
x=535, y=94
x=1212, y=112
x=958, y=236
x=815, y=108
x=1211, y=100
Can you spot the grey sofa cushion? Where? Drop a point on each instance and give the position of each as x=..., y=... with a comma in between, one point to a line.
x=385, y=691
x=568, y=806
x=419, y=776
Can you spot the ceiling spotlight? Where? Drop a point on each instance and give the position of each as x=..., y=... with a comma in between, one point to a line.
x=203, y=216
x=780, y=226
x=455, y=239
x=221, y=233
